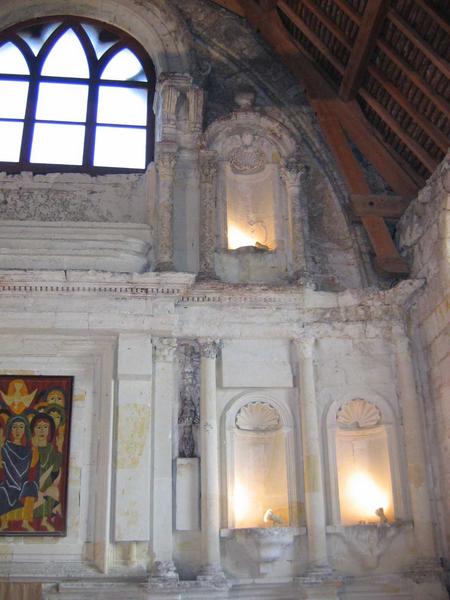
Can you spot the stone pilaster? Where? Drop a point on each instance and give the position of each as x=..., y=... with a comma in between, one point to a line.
x=210, y=492
x=165, y=166
x=164, y=398
x=312, y=457
x=413, y=424
x=293, y=172
x=208, y=172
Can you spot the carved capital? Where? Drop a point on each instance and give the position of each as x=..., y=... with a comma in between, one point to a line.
x=165, y=349
x=165, y=162
x=210, y=348
x=305, y=347
x=294, y=171
x=208, y=166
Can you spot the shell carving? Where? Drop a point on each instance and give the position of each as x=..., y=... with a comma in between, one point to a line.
x=358, y=414
x=258, y=416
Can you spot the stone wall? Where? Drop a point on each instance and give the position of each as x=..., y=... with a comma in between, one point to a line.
x=424, y=236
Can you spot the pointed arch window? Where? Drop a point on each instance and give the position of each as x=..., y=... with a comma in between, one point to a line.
x=75, y=95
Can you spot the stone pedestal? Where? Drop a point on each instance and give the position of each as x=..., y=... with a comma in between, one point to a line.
x=188, y=494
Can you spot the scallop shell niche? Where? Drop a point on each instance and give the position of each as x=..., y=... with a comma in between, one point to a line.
x=258, y=416
x=358, y=414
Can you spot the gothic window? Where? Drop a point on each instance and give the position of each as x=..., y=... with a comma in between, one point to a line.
x=75, y=95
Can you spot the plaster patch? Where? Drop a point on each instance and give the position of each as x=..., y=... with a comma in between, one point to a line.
x=132, y=435
x=80, y=397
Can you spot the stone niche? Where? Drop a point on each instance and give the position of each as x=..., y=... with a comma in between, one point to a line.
x=260, y=215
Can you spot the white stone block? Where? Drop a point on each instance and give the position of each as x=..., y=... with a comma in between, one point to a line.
x=256, y=363
x=187, y=516
x=134, y=355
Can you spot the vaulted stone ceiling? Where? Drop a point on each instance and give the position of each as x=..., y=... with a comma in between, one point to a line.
x=377, y=75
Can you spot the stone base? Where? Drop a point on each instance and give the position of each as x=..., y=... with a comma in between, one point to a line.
x=321, y=583
x=163, y=574
x=213, y=577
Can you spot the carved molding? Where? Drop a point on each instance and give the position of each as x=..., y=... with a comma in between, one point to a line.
x=294, y=171
x=247, y=158
x=164, y=349
x=210, y=348
x=258, y=416
x=189, y=411
x=358, y=414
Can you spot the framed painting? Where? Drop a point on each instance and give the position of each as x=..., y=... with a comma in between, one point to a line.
x=35, y=416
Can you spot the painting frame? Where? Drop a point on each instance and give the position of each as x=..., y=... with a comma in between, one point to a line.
x=35, y=425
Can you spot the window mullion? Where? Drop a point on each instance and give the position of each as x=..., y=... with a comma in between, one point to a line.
x=91, y=117
x=30, y=114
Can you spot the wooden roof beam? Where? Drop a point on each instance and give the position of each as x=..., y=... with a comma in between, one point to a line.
x=349, y=11
x=312, y=37
x=380, y=205
x=328, y=23
x=431, y=130
x=429, y=162
x=365, y=42
x=443, y=23
x=440, y=102
x=439, y=62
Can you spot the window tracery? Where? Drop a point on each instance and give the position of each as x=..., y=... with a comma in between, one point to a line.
x=74, y=95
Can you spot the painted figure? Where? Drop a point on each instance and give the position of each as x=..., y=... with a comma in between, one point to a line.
x=50, y=460
x=19, y=475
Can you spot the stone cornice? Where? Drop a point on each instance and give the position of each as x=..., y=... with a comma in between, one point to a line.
x=183, y=289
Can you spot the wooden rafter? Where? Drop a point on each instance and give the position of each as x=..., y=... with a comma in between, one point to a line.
x=362, y=49
x=414, y=77
x=431, y=130
x=443, y=23
x=388, y=207
x=403, y=135
x=313, y=38
x=419, y=43
x=328, y=23
x=349, y=11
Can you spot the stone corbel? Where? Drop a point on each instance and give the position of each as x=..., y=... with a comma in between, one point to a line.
x=208, y=172
x=169, y=88
x=293, y=172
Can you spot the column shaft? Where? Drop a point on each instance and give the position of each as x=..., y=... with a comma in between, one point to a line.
x=164, y=399
x=210, y=495
x=314, y=490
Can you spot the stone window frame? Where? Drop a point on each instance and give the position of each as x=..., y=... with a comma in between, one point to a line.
x=34, y=78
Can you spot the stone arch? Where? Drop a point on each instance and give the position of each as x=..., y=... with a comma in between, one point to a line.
x=154, y=24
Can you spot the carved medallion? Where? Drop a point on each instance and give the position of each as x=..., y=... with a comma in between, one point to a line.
x=247, y=158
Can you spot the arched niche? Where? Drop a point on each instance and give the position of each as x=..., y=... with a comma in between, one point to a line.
x=261, y=216
x=258, y=462
x=154, y=24
x=364, y=461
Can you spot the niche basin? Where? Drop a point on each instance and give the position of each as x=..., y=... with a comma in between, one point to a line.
x=264, y=545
